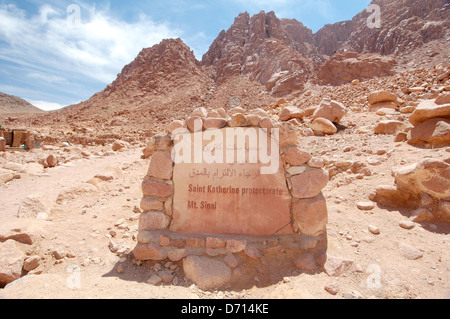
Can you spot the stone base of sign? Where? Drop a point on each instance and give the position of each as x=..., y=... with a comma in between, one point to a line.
x=206, y=211
x=159, y=245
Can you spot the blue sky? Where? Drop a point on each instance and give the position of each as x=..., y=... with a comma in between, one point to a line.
x=55, y=53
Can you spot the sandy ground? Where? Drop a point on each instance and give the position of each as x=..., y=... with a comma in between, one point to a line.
x=83, y=226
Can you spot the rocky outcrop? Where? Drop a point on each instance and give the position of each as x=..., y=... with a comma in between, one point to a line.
x=262, y=48
x=423, y=187
x=431, y=120
x=347, y=66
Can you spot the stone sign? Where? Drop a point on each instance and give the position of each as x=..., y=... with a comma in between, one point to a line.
x=229, y=184
x=230, y=198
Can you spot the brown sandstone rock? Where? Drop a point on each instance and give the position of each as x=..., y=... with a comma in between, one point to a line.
x=151, y=187
x=382, y=96
x=11, y=262
x=153, y=220
x=323, y=126
x=296, y=157
x=291, y=112
x=330, y=110
x=389, y=127
x=149, y=251
x=428, y=110
x=206, y=273
x=311, y=215
x=309, y=184
x=435, y=131
x=161, y=165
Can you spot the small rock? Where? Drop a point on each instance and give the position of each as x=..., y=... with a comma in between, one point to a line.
x=410, y=252
x=231, y=261
x=365, y=205
x=120, y=269
x=52, y=161
x=374, y=230
x=252, y=252
x=332, y=289
x=31, y=263
x=59, y=253
x=154, y=280
x=167, y=277
x=407, y=224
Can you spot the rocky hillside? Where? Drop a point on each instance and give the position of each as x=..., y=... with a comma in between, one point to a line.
x=11, y=104
x=262, y=58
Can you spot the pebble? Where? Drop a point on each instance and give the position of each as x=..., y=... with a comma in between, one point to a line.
x=407, y=224
x=365, y=205
x=332, y=289
x=120, y=269
x=154, y=280
x=374, y=230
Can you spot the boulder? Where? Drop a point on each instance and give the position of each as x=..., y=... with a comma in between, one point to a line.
x=291, y=112
x=382, y=96
x=238, y=120
x=194, y=124
x=175, y=125
x=214, y=123
x=52, y=161
x=389, y=127
x=206, y=273
x=6, y=176
x=118, y=145
x=200, y=112
x=323, y=126
x=295, y=157
x=311, y=215
x=443, y=99
x=382, y=105
x=435, y=131
x=310, y=183
x=428, y=109
x=330, y=110
x=431, y=177
x=78, y=191
x=161, y=165
x=11, y=262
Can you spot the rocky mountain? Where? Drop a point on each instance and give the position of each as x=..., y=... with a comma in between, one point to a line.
x=11, y=105
x=283, y=54
x=262, y=58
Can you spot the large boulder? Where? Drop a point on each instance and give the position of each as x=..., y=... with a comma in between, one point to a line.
x=323, y=126
x=382, y=96
x=434, y=132
x=291, y=112
x=424, y=186
x=389, y=127
x=428, y=109
x=330, y=110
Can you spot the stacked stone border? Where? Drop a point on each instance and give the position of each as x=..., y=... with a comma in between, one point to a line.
x=305, y=181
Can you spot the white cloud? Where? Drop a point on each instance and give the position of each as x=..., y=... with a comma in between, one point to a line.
x=97, y=47
x=46, y=106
